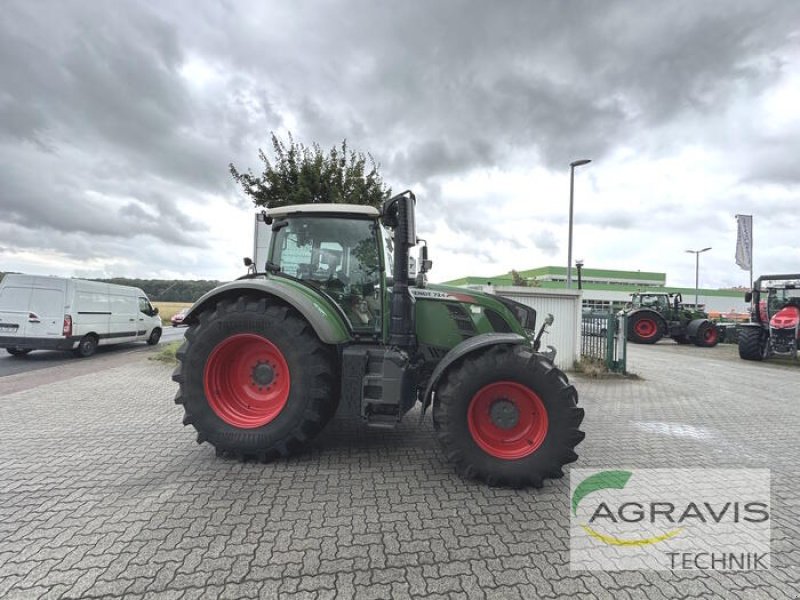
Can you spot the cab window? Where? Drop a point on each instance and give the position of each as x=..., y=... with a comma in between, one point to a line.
x=341, y=257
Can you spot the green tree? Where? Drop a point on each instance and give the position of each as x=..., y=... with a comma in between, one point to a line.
x=299, y=174
x=517, y=279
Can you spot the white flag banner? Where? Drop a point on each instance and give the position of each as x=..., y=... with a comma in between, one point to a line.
x=744, y=242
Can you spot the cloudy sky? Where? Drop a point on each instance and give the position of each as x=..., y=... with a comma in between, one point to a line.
x=118, y=120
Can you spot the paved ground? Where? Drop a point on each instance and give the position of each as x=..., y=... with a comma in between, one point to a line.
x=104, y=494
x=44, y=359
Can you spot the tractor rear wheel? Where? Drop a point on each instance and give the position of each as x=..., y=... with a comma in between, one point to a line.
x=644, y=329
x=752, y=345
x=507, y=416
x=707, y=335
x=255, y=381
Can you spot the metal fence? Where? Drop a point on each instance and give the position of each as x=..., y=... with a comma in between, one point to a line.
x=603, y=338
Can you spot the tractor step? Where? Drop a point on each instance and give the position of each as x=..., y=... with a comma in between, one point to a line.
x=376, y=384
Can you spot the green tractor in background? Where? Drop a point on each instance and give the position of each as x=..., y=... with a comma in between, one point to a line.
x=336, y=322
x=653, y=316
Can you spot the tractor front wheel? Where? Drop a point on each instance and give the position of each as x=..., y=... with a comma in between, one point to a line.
x=508, y=417
x=255, y=381
x=644, y=329
x=752, y=343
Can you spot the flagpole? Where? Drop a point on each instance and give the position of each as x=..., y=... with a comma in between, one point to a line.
x=752, y=237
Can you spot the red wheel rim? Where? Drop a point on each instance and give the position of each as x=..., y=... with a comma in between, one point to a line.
x=710, y=335
x=507, y=420
x=645, y=328
x=246, y=380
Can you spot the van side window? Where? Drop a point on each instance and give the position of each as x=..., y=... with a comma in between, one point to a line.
x=145, y=306
x=123, y=305
x=92, y=302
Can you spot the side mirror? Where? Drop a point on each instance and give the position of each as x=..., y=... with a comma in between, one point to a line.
x=248, y=262
x=398, y=214
x=155, y=311
x=748, y=297
x=549, y=319
x=425, y=264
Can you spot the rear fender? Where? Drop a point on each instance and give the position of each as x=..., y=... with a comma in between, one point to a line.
x=693, y=326
x=461, y=350
x=323, y=318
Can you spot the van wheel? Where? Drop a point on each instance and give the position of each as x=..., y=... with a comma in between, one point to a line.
x=17, y=351
x=155, y=335
x=86, y=347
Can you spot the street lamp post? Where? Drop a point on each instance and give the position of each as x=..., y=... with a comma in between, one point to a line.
x=697, y=254
x=572, y=165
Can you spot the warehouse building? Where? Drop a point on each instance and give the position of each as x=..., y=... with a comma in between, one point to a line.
x=605, y=290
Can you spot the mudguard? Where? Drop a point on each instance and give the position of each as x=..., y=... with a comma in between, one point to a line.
x=694, y=325
x=328, y=324
x=457, y=352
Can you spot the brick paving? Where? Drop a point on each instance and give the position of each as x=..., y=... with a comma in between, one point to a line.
x=104, y=494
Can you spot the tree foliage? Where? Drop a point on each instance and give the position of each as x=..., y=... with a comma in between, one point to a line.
x=298, y=174
x=517, y=279
x=167, y=290
x=164, y=290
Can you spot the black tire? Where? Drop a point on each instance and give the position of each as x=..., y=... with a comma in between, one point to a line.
x=18, y=351
x=521, y=366
x=752, y=343
x=155, y=335
x=313, y=390
x=634, y=323
x=707, y=335
x=87, y=346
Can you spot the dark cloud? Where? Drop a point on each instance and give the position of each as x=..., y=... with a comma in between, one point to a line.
x=118, y=120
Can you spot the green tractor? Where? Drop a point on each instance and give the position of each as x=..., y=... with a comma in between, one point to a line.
x=336, y=321
x=653, y=316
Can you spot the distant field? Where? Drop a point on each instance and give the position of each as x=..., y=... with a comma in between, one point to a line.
x=167, y=309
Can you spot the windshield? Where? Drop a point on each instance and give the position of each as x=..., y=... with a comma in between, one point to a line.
x=777, y=298
x=340, y=256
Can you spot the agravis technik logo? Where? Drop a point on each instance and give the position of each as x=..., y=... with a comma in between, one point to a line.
x=670, y=519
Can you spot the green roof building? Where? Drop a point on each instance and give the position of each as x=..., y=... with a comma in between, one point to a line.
x=606, y=289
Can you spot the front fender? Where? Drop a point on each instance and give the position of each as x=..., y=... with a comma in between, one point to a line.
x=457, y=352
x=326, y=321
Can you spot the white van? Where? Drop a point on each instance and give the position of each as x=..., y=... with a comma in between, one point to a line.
x=54, y=313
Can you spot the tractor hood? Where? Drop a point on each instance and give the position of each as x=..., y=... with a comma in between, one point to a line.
x=786, y=318
x=521, y=318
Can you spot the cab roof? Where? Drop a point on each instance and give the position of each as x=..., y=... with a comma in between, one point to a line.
x=343, y=209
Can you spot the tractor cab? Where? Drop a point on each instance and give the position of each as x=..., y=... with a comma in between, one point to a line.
x=341, y=253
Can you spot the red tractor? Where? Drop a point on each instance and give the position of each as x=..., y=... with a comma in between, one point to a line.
x=775, y=326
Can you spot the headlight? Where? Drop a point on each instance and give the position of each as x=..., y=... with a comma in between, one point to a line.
x=524, y=314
